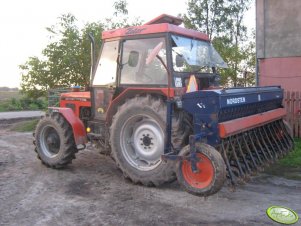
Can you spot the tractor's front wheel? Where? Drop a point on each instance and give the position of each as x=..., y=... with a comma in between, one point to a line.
x=210, y=175
x=54, y=141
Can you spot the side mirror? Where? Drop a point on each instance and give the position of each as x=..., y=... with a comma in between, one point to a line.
x=133, y=59
x=179, y=61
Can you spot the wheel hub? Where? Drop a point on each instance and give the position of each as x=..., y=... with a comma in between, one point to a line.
x=50, y=141
x=147, y=141
x=143, y=142
x=204, y=175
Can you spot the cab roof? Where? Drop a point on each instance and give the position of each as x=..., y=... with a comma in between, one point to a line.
x=161, y=24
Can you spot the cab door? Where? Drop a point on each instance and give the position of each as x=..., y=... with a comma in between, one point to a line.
x=104, y=81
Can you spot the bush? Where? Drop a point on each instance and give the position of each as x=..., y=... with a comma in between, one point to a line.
x=24, y=103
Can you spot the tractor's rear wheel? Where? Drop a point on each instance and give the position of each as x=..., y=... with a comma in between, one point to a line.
x=54, y=141
x=211, y=171
x=138, y=138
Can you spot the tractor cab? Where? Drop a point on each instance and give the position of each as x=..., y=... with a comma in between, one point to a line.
x=158, y=56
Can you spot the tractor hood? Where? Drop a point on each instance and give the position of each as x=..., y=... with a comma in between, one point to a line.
x=76, y=96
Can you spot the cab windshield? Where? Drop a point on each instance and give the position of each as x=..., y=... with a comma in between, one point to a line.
x=191, y=55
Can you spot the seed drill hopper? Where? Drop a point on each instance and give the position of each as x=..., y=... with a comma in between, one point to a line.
x=244, y=124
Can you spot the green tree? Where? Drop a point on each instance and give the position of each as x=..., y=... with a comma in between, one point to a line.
x=237, y=32
x=249, y=62
x=120, y=8
x=222, y=20
x=121, y=17
x=65, y=61
x=206, y=16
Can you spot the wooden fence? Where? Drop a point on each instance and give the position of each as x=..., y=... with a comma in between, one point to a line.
x=292, y=104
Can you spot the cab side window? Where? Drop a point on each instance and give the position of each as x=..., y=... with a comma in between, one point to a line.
x=140, y=62
x=107, y=65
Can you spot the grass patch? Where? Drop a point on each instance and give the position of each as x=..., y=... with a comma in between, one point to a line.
x=7, y=95
x=290, y=166
x=25, y=126
x=293, y=159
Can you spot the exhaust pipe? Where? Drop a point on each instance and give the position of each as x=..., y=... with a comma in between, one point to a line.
x=92, y=70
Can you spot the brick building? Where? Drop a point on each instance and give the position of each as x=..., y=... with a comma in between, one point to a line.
x=278, y=43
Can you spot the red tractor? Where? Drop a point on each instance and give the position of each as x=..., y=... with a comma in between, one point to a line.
x=156, y=107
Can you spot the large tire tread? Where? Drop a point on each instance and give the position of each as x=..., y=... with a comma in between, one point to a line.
x=165, y=172
x=68, y=148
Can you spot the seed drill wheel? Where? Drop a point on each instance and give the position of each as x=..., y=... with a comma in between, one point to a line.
x=54, y=141
x=137, y=141
x=211, y=171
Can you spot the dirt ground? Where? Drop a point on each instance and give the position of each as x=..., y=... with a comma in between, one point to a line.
x=92, y=191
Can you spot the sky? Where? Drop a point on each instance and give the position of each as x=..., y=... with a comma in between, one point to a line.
x=23, y=23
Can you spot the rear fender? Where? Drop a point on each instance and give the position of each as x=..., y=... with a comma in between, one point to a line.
x=79, y=131
x=132, y=92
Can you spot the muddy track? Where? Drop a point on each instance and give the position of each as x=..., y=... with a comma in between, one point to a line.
x=92, y=191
